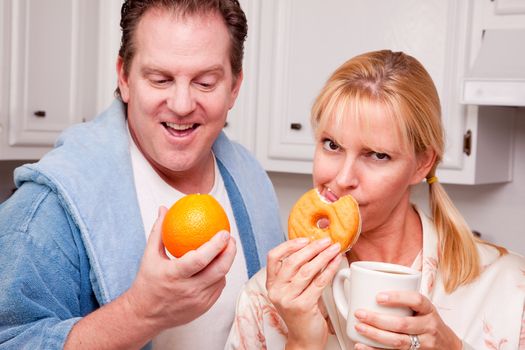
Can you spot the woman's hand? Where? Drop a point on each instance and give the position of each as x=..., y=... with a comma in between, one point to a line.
x=297, y=273
x=426, y=324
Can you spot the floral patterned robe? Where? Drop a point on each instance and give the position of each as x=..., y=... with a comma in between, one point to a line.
x=486, y=314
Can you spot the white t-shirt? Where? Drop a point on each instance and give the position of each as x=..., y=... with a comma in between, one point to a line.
x=210, y=330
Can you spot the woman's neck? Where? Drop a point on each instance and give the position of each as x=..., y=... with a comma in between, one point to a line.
x=398, y=242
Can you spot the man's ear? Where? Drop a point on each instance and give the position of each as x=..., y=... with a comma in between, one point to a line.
x=425, y=162
x=122, y=80
x=236, y=88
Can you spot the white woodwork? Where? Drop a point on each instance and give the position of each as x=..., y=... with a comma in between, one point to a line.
x=241, y=118
x=493, y=128
x=4, y=24
x=510, y=6
x=305, y=42
x=108, y=47
x=50, y=65
x=302, y=42
x=59, y=56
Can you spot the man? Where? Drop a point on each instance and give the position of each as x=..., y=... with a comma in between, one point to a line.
x=76, y=269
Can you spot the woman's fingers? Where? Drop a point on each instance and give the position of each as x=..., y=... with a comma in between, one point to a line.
x=394, y=324
x=277, y=255
x=394, y=340
x=426, y=325
x=394, y=330
x=398, y=324
x=318, y=271
x=287, y=265
x=412, y=299
x=310, y=292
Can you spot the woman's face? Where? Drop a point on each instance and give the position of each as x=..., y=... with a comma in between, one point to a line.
x=367, y=160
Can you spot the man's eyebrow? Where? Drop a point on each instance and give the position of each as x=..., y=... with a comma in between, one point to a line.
x=217, y=70
x=149, y=70
x=210, y=70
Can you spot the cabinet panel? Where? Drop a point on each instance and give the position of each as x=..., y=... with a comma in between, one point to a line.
x=52, y=66
x=304, y=41
x=43, y=59
x=241, y=118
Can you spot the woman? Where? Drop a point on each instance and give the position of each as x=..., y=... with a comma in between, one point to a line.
x=378, y=133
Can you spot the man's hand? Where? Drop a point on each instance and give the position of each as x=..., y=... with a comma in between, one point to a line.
x=165, y=293
x=174, y=292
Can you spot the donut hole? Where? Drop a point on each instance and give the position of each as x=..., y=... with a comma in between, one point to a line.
x=322, y=222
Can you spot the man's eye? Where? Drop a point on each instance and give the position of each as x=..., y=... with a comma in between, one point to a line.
x=160, y=81
x=205, y=85
x=330, y=145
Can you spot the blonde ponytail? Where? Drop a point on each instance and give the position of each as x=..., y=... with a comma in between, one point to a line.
x=459, y=261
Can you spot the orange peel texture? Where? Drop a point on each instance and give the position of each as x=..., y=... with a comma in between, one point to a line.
x=192, y=221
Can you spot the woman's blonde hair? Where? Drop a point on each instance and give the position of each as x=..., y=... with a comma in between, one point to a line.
x=401, y=85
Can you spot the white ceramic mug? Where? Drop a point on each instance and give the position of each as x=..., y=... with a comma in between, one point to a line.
x=367, y=279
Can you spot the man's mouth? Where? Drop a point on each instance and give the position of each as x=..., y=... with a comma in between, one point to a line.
x=179, y=129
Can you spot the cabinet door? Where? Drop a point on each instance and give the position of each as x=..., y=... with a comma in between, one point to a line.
x=303, y=41
x=52, y=64
x=241, y=123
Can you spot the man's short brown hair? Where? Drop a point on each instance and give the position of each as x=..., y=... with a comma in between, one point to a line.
x=230, y=10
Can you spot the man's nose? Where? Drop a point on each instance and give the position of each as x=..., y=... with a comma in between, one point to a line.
x=181, y=101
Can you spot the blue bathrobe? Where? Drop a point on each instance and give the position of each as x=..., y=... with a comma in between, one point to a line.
x=71, y=236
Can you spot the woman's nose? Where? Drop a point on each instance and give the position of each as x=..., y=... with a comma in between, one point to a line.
x=181, y=101
x=347, y=175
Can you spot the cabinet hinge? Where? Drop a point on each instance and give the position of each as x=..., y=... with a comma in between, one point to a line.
x=467, y=142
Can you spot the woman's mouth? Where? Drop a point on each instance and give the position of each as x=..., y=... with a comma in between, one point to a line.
x=328, y=196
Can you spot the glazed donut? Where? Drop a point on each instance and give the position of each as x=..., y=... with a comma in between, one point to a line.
x=339, y=220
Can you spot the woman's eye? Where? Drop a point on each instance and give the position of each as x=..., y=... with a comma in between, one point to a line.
x=380, y=156
x=330, y=145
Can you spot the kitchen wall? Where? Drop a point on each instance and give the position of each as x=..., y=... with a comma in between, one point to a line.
x=496, y=211
x=6, y=177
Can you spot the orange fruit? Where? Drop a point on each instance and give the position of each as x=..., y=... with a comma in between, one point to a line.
x=191, y=221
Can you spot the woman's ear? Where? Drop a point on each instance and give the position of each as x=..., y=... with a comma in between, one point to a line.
x=425, y=162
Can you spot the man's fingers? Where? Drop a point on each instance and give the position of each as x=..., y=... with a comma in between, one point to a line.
x=197, y=260
x=213, y=292
x=219, y=267
x=155, y=236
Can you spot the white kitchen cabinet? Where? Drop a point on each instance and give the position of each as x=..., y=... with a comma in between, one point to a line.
x=48, y=72
x=303, y=41
x=292, y=47
x=241, y=122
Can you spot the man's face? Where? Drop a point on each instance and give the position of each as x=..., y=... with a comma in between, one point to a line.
x=179, y=89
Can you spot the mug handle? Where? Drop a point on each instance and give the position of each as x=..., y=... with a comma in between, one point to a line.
x=338, y=291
